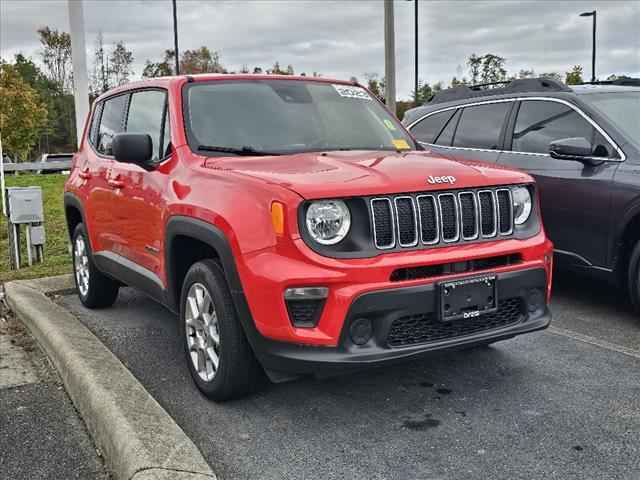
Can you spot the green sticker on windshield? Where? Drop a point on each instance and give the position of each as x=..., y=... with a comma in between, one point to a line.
x=389, y=124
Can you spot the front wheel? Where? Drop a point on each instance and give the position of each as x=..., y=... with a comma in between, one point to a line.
x=219, y=356
x=634, y=278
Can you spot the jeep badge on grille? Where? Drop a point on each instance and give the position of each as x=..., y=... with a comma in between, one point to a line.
x=446, y=179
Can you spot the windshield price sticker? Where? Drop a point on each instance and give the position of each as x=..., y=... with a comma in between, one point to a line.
x=352, y=92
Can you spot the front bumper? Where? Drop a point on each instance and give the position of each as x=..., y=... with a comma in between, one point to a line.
x=384, y=307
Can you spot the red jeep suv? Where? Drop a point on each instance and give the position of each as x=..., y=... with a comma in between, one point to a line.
x=295, y=227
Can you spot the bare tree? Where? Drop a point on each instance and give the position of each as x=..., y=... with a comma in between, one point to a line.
x=120, y=61
x=56, y=56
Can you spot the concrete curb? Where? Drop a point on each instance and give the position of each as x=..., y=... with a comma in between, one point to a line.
x=138, y=438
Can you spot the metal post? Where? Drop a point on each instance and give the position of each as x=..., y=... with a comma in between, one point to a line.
x=29, y=246
x=593, y=48
x=415, y=27
x=175, y=36
x=2, y=189
x=389, y=57
x=79, y=59
x=593, y=53
x=16, y=245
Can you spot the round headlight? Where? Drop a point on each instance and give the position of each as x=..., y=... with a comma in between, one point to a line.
x=522, y=205
x=328, y=221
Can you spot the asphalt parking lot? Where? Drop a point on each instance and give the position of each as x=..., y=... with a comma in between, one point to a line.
x=558, y=404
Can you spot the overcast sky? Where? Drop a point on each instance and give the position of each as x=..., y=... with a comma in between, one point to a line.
x=345, y=38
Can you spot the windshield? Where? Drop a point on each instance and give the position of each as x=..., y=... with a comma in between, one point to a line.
x=621, y=108
x=288, y=116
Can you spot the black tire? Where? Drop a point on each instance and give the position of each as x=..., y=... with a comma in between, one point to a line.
x=238, y=372
x=100, y=291
x=633, y=280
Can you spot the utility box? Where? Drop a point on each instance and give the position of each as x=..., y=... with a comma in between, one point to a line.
x=36, y=235
x=25, y=205
x=25, y=208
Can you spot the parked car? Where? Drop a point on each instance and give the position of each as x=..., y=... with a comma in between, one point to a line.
x=55, y=158
x=580, y=143
x=293, y=227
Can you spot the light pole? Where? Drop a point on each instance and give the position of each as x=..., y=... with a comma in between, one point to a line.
x=175, y=36
x=79, y=61
x=593, y=52
x=389, y=57
x=415, y=49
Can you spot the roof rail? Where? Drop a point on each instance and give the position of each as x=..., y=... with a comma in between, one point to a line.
x=625, y=82
x=461, y=92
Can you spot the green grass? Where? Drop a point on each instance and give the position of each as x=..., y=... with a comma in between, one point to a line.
x=56, y=257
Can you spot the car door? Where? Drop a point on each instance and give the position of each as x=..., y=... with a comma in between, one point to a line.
x=99, y=212
x=575, y=197
x=471, y=132
x=140, y=204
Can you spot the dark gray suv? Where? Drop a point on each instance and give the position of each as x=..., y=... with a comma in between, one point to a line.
x=582, y=145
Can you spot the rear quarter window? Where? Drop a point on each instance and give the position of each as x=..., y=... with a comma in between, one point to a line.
x=111, y=122
x=428, y=129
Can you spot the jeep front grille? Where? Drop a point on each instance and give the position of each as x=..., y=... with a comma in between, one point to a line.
x=441, y=218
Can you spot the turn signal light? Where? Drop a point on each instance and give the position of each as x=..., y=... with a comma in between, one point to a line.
x=277, y=218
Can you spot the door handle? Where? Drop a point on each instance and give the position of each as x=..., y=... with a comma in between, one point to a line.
x=85, y=174
x=116, y=183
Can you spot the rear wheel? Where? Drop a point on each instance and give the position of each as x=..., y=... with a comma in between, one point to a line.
x=634, y=278
x=219, y=356
x=95, y=289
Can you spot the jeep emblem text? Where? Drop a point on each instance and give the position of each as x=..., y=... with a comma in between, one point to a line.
x=446, y=179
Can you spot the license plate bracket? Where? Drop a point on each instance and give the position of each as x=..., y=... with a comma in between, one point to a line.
x=467, y=298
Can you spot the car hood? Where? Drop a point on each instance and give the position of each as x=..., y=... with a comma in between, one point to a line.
x=354, y=173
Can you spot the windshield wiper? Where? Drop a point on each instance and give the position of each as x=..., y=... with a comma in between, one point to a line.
x=246, y=150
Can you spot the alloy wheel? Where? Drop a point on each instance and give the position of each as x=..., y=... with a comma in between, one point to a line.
x=81, y=265
x=202, y=331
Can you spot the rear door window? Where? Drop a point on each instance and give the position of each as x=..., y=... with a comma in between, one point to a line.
x=481, y=125
x=541, y=122
x=428, y=129
x=111, y=122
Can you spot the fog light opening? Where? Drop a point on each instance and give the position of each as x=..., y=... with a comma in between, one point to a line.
x=535, y=300
x=361, y=331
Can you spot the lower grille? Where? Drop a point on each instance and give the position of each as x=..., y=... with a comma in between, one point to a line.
x=305, y=313
x=425, y=328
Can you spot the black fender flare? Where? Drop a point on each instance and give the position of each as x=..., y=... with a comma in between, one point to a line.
x=630, y=215
x=209, y=234
x=72, y=200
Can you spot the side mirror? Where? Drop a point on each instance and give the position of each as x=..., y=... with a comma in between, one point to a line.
x=575, y=148
x=133, y=148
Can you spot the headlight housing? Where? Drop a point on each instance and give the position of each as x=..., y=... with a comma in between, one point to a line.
x=328, y=221
x=522, y=205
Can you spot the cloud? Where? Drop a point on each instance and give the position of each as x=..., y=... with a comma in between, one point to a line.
x=345, y=38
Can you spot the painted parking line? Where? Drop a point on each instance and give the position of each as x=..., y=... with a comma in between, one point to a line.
x=595, y=341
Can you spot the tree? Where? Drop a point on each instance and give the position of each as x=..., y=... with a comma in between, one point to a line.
x=374, y=85
x=492, y=68
x=56, y=56
x=526, y=74
x=574, y=76
x=552, y=75
x=120, y=61
x=159, y=69
x=100, y=78
x=22, y=112
x=201, y=60
x=58, y=135
x=474, y=63
x=423, y=95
